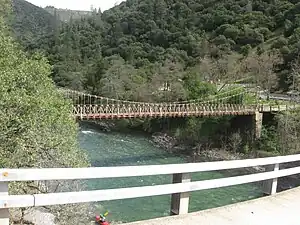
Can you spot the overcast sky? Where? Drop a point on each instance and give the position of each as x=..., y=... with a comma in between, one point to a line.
x=76, y=4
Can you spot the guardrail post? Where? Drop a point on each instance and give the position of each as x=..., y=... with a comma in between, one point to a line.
x=4, y=213
x=180, y=201
x=270, y=186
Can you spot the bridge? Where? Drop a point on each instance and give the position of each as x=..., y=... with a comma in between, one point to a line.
x=232, y=102
x=278, y=209
x=179, y=190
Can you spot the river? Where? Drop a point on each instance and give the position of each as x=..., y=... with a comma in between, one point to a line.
x=118, y=149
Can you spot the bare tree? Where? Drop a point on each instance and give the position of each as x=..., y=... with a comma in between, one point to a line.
x=289, y=132
x=262, y=69
x=295, y=75
x=224, y=69
x=208, y=69
x=166, y=83
x=235, y=141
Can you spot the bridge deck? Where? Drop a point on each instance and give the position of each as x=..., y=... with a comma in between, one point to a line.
x=279, y=209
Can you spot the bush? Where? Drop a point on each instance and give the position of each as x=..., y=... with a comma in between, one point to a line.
x=37, y=129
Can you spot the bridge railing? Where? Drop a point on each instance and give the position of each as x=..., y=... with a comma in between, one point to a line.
x=172, y=110
x=156, y=110
x=179, y=189
x=278, y=108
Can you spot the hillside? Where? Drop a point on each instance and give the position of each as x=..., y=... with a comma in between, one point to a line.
x=66, y=14
x=150, y=40
x=30, y=23
x=231, y=25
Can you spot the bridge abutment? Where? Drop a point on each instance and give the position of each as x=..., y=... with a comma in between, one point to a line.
x=258, y=122
x=250, y=126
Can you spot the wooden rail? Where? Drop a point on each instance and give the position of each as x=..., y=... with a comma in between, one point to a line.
x=133, y=110
x=180, y=188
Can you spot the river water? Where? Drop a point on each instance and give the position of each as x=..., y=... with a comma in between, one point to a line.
x=118, y=149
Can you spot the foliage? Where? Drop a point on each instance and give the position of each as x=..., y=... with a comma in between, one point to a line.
x=262, y=69
x=295, y=75
x=36, y=127
x=201, y=130
x=289, y=132
x=192, y=34
x=235, y=142
x=268, y=140
x=30, y=23
x=283, y=137
x=195, y=86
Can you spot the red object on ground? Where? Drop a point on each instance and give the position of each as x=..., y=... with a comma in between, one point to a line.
x=99, y=221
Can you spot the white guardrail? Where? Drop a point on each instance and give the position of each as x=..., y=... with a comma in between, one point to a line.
x=180, y=188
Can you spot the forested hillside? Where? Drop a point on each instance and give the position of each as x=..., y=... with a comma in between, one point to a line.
x=30, y=23
x=135, y=45
x=133, y=49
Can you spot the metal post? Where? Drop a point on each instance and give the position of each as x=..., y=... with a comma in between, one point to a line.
x=180, y=201
x=4, y=213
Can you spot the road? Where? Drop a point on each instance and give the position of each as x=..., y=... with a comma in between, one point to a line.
x=282, y=97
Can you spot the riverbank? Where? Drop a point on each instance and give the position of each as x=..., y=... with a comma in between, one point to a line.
x=198, y=154
x=195, y=153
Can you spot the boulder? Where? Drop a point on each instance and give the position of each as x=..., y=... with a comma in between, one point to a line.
x=38, y=217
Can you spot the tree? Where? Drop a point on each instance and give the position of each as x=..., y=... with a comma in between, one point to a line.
x=223, y=69
x=93, y=75
x=231, y=32
x=36, y=129
x=283, y=138
x=117, y=81
x=262, y=68
x=4, y=10
x=288, y=132
x=196, y=87
x=167, y=82
x=295, y=75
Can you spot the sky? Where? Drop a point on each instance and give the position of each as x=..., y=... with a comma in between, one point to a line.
x=76, y=4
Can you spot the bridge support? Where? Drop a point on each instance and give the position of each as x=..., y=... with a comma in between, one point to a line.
x=258, y=119
x=4, y=213
x=270, y=186
x=180, y=201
